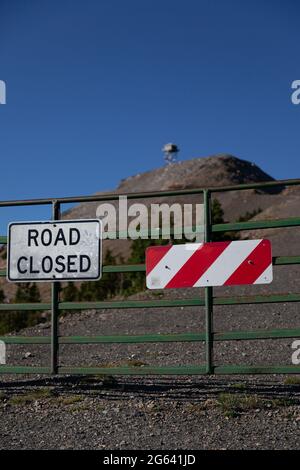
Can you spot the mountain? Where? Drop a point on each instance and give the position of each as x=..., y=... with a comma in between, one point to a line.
x=218, y=170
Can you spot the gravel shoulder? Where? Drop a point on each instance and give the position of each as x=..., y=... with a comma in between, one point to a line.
x=156, y=413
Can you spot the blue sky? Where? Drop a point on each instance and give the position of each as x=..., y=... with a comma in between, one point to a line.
x=95, y=88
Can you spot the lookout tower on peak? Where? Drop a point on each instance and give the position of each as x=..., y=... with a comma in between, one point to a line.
x=170, y=153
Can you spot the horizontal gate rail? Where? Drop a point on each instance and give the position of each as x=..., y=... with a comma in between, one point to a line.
x=125, y=304
x=257, y=224
x=150, y=194
x=129, y=268
x=156, y=338
x=228, y=227
x=159, y=370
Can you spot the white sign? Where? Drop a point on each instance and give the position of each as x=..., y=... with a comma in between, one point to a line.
x=54, y=251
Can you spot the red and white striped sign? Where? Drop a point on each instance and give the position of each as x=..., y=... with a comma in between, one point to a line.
x=209, y=264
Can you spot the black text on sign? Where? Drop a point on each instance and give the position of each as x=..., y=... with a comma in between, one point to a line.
x=57, y=250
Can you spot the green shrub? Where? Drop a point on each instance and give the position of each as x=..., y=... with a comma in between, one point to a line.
x=16, y=320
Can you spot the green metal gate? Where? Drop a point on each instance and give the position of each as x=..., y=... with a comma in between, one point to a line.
x=209, y=336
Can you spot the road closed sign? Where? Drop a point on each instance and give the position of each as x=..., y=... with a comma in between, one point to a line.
x=54, y=251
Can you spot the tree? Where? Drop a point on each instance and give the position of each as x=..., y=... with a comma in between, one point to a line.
x=109, y=285
x=16, y=320
x=70, y=293
x=217, y=217
x=249, y=215
x=27, y=292
x=217, y=213
x=111, y=282
x=136, y=281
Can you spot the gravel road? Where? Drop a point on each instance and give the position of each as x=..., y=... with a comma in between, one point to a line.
x=140, y=413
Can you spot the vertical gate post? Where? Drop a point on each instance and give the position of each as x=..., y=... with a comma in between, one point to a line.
x=54, y=305
x=208, y=290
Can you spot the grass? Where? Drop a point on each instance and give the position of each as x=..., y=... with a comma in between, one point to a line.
x=41, y=394
x=198, y=408
x=71, y=400
x=276, y=402
x=135, y=363
x=32, y=396
x=3, y=396
x=233, y=404
x=104, y=379
x=238, y=386
x=293, y=380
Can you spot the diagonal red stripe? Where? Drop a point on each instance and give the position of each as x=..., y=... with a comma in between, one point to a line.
x=253, y=266
x=197, y=264
x=154, y=254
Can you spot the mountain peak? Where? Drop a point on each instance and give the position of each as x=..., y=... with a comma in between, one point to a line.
x=216, y=170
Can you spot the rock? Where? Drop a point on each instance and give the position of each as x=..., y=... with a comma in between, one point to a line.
x=27, y=355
